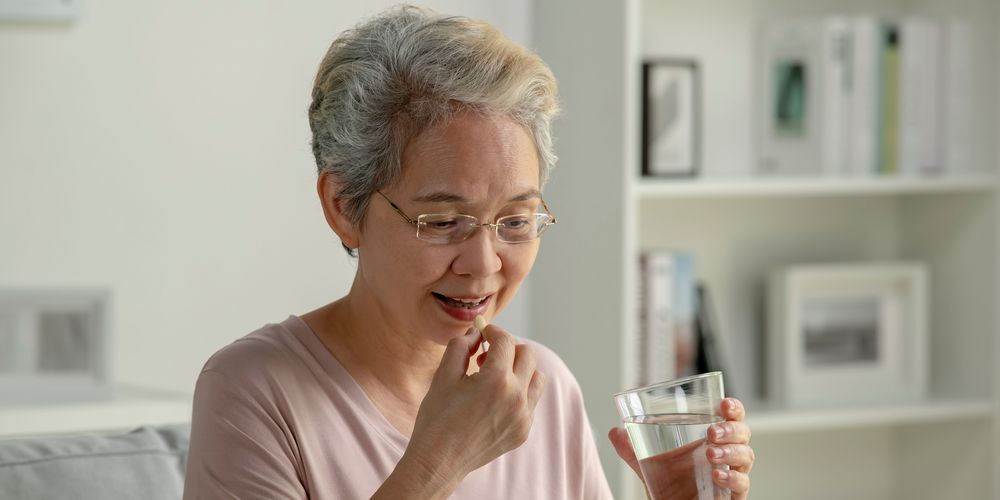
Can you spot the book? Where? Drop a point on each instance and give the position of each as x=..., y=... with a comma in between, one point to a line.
x=888, y=104
x=711, y=354
x=683, y=309
x=788, y=140
x=864, y=96
x=920, y=48
x=656, y=346
x=836, y=73
x=958, y=88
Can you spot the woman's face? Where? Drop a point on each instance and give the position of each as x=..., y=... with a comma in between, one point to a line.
x=486, y=167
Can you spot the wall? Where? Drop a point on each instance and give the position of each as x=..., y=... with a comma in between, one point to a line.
x=161, y=149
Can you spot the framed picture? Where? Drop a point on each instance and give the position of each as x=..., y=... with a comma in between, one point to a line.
x=790, y=92
x=670, y=118
x=847, y=334
x=54, y=11
x=55, y=345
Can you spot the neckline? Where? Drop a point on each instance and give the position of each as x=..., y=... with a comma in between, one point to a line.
x=336, y=370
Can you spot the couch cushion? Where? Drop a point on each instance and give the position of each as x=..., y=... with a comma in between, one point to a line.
x=146, y=463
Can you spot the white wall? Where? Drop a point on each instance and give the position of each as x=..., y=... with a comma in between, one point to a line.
x=161, y=149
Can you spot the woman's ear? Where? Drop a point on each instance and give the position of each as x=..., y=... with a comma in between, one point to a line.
x=328, y=188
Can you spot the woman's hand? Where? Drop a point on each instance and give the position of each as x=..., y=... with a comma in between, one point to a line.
x=467, y=421
x=728, y=443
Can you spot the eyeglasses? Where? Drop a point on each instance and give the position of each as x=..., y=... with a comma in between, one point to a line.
x=443, y=229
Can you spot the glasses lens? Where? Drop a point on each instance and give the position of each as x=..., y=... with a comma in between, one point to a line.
x=445, y=228
x=517, y=228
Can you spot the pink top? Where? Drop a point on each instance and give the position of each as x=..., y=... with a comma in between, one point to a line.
x=277, y=416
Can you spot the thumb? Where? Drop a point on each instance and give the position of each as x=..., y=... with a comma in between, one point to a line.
x=623, y=446
x=455, y=361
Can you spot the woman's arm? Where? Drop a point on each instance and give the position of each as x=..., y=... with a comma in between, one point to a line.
x=238, y=447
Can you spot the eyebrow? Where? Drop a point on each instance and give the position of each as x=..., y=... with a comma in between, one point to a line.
x=446, y=197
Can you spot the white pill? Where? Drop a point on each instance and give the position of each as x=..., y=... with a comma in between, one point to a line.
x=480, y=323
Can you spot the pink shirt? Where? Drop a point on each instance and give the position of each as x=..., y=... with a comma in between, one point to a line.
x=277, y=416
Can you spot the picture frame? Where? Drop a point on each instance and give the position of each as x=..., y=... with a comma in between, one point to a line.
x=847, y=334
x=46, y=11
x=671, y=117
x=789, y=122
x=55, y=345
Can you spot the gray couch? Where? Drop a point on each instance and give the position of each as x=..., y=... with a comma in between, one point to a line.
x=147, y=463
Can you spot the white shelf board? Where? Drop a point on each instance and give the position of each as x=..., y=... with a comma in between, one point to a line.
x=129, y=408
x=727, y=187
x=774, y=421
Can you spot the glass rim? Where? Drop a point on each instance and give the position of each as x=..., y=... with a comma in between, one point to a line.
x=668, y=383
x=542, y=222
x=479, y=222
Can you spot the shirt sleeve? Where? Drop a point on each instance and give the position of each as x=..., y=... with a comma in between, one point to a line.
x=240, y=446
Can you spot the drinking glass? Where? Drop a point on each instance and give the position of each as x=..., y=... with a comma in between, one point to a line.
x=668, y=426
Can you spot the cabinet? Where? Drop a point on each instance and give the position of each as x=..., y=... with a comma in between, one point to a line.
x=739, y=227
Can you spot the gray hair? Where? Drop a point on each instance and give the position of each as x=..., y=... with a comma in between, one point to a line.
x=388, y=79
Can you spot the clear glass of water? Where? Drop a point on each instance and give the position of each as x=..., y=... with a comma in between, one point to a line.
x=668, y=426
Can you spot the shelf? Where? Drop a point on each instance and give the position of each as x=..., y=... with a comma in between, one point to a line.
x=772, y=421
x=726, y=187
x=129, y=408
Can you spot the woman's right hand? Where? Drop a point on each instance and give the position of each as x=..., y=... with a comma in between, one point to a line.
x=467, y=421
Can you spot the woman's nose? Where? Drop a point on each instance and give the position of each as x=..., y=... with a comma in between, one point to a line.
x=478, y=256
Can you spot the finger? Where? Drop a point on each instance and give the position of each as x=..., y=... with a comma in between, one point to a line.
x=501, y=348
x=455, y=361
x=737, y=482
x=481, y=359
x=623, y=447
x=524, y=361
x=739, y=456
x=731, y=432
x=732, y=409
x=535, y=388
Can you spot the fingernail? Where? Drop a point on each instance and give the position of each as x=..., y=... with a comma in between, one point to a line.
x=716, y=452
x=722, y=475
x=720, y=431
x=731, y=404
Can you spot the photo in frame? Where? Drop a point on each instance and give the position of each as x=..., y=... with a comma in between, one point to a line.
x=55, y=345
x=847, y=334
x=670, y=118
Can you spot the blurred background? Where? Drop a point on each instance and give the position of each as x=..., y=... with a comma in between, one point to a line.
x=157, y=201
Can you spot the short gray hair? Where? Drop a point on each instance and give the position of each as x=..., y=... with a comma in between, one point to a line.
x=389, y=78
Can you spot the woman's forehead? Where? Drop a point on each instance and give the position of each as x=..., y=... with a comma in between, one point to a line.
x=471, y=156
x=445, y=195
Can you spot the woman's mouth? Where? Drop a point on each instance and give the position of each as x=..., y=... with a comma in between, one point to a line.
x=465, y=308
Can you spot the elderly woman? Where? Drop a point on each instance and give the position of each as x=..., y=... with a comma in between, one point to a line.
x=431, y=135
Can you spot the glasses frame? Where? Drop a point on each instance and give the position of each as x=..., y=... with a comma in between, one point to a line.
x=493, y=226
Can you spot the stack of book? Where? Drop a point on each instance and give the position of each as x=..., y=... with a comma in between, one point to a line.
x=863, y=96
x=676, y=329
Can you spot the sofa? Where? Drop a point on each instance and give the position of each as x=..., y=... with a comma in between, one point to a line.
x=146, y=463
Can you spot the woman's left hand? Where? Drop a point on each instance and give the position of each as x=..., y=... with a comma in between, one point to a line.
x=728, y=443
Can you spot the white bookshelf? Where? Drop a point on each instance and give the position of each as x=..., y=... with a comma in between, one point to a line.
x=739, y=227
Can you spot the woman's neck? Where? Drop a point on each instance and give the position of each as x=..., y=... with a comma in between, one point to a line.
x=393, y=365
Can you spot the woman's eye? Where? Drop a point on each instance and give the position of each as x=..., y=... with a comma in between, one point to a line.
x=517, y=223
x=442, y=224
